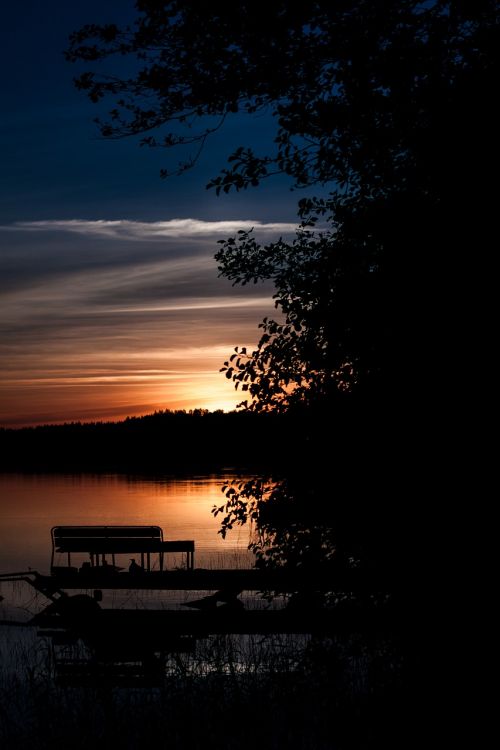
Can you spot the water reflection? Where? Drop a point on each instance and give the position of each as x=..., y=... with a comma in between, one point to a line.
x=31, y=504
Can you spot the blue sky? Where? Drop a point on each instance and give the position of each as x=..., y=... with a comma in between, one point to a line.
x=55, y=164
x=101, y=319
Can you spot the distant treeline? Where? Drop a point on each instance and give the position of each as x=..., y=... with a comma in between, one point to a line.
x=163, y=441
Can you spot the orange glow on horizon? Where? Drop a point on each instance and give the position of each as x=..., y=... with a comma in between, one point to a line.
x=148, y=330
x=69, y=397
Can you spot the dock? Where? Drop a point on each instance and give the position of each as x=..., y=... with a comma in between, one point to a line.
x=133, y=644
x=209, y=579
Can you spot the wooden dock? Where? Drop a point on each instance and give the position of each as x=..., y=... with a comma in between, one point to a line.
x=202, y=579
x=130, y=646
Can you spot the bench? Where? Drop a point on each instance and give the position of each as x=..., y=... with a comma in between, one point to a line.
x=99, y=541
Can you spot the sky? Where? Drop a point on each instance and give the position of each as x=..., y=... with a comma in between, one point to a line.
x=110, y=301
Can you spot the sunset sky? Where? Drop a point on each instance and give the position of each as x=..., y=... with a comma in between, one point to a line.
x=110, y=302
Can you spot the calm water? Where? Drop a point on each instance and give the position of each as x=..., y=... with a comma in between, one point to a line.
x=31, y=505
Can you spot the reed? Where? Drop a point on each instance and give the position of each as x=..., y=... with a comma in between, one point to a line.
x=232, y=692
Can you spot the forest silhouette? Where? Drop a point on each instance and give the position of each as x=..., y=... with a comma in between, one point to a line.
x=164, y=442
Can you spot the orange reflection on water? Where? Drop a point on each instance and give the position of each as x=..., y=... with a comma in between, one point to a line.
x=31, y=504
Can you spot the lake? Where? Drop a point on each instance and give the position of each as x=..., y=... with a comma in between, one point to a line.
x=31, y=504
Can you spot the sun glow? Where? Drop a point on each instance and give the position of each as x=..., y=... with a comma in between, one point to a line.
x=123, y=328
x=87, y=394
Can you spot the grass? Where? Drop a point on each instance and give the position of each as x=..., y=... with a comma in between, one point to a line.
x=344, y=692
x=232, y=692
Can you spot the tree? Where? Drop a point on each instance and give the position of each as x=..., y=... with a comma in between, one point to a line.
x=391, y=107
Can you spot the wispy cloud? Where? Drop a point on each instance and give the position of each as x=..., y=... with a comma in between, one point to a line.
x=216, y=303
x=143, y=230
x=92, y=326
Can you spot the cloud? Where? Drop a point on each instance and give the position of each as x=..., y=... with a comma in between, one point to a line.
x=216, y=303
x=92, y=326
x=152, y=230
x=113, y=270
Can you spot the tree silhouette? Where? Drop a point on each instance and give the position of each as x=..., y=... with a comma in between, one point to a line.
x=389, y=106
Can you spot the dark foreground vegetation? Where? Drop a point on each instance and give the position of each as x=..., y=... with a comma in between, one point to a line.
x=327, y=693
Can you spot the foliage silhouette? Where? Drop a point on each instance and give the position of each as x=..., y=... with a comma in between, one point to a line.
x=388, y=106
